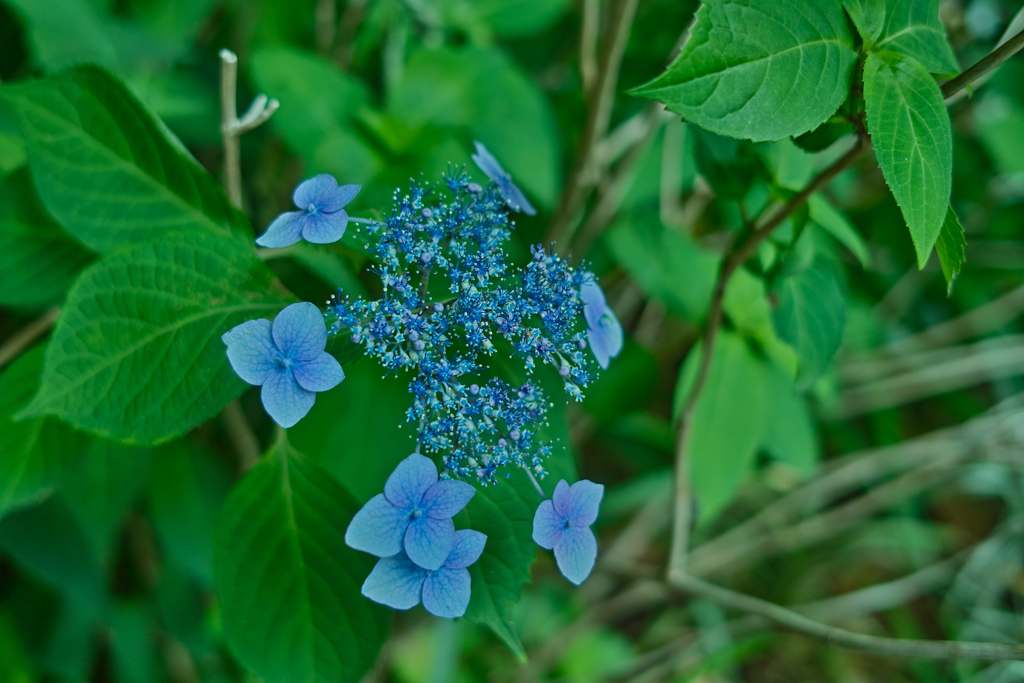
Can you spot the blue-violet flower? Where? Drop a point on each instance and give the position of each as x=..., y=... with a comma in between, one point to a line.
x=400, y=583
x=563, y=524
x=513, y=196
x=287, y=357
x=604, y=331
x=413, y=514
x=320, y=218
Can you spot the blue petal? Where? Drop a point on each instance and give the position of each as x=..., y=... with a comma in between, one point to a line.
x=446, y=592
x=594, y=304
x=576, y=552
x=515, y=198
x=284, y=400
x=586, y=500
x=547, y=525
x=346, y=193
x=467, y=547
x=324, y=227
x=410, y=480
x=562, y=499
x=318, y=191
x=605, y=339
x=285, y=231
x=395, y=582
x=251, y=350
x=300, y=332
x=378, y=528
x=428, y=541
x=320, y=374
x=445, y=498
x=487, y=163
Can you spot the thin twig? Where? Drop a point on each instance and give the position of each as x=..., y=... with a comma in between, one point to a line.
x=228, y=121
x=599, y=112
x=24, y=337
x=992, y=61
x=588, y=45
x=895, y=647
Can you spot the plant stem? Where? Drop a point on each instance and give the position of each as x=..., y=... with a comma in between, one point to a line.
x=24, y=337
x=228, y=123
x=742, y=249
x=896, y=647
x=992, y=61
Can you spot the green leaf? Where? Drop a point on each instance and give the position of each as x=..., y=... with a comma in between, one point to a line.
x=868, y=16
x=66, y=32
x=136, y=354
x=666, y=265
x=48, y=540
x=107, y=170
x=38, y=259
x=727, y=422
x=789, y=434
x=34, y=451
x=811, y=317
x=365, y=414
x=504, y=512
x=913, y=142
x=950, y=246
x=482, y=91
x=510, y=18
x=913, y=28
x=289, y=587
x=99, y=486
x=760, y=69
x=187, y=490
x=730, y=166
x=319, y=103
x=835, y=224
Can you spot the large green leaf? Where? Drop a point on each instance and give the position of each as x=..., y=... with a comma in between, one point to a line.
x=727, y=422
x=35, y=450
x=99, y=486
x=789, y=434
x=136, y=354
x=289, y=587
x=503, y=511
x=38, y=259
x=107, y=170
x=868, y=16
x=760, y=69
x=811, y=317
x=666, y=264
x=950, y=247
x=187, y=490
x=482, y=91
x=913, y=142
x=912, y=28
x=318, y=104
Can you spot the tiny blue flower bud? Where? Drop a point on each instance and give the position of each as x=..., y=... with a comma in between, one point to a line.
x=438, y=308
x=514, y=435
x=419, y=345
x=474, y=188
x=474, y=389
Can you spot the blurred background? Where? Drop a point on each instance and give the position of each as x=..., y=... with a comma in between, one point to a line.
x=893, y=479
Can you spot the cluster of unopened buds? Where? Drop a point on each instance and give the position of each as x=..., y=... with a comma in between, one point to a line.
x=443, y=331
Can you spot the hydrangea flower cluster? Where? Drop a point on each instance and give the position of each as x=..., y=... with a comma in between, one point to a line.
x=410, y=528
x=445, y=333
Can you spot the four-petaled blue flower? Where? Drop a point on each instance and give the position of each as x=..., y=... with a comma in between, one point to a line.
x=400, y=583
x=563, y=524
x=413, y=514
x=287, y=357
x=320, y=218
x=604, y=331
x=513, y=195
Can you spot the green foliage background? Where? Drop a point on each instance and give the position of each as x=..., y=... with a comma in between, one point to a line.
x=860, y=419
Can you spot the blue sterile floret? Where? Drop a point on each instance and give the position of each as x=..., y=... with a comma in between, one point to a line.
x=400, y=583
x=563, y=524
x=321, y=217
x=287, y=357
x=512, y=195
x=414, y=515
x=604, y=331
x=443, y=332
